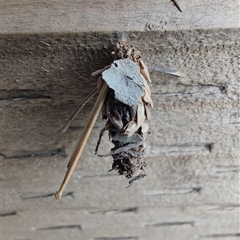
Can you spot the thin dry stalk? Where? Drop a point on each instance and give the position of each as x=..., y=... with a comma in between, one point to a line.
x=83, y=140
x=78, y=109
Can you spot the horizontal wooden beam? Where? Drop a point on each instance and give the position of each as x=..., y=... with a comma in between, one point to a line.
x=28, y=16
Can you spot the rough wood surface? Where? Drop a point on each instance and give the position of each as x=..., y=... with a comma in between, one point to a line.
x=192, y=186
x=28, y=16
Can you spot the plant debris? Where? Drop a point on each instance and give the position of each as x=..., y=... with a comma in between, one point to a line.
x=125, y=99
x=126, y=110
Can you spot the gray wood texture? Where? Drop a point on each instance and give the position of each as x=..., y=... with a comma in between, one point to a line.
x=28, y=16
x=192, y=186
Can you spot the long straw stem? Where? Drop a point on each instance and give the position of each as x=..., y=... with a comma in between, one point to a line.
x=83, y=140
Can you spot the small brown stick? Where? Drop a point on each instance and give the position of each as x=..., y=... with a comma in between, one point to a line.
x=176, y=5
x=100, y=71
x=83, y=140
x=79, y=108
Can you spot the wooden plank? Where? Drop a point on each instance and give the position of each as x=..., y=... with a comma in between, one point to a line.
x=194, y=180
x=192, y=186
x=27, y=16
x=42, y=85
x=200, y=222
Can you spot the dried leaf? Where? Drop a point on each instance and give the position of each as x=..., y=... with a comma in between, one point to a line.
x=144, y=70
x=119, y=137
x=133, y=126
x=125, y=79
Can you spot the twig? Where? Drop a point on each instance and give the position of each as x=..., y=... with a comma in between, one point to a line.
x=79, y=108
x=176, y=5
x=174, y=72
x=100, y=71
x=83, y=140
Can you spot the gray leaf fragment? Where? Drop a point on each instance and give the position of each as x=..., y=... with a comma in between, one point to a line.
x=120, y=137
x=125, y=79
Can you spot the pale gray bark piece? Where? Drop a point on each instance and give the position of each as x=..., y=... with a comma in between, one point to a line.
x=125, y=79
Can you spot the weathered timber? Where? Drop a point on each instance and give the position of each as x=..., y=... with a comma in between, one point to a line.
x=48, y=51
x=192, y=184
x=27, y=16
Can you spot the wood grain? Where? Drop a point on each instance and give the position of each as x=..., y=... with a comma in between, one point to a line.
x=48, y=51
x=27, y=16
x=192, y=186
